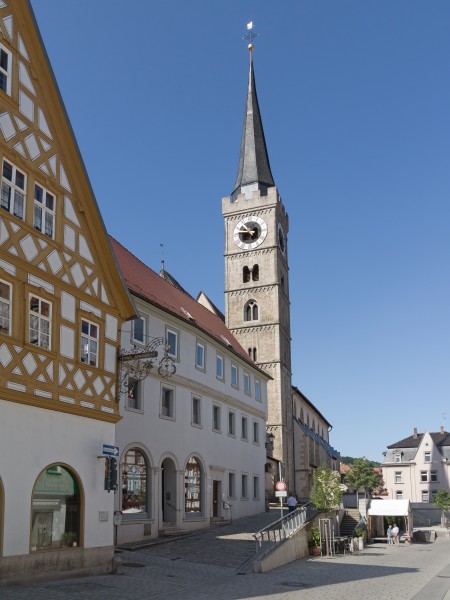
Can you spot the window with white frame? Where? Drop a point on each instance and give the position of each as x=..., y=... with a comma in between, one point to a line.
x=89, y=342
x=399, y=495
x=255, y=432
x=172, y=343
x=397, y=458
x=234, y=376
x=40, y=322
x=257, y=390
x=244, y=486
x=13, y=190
x=244, y=428
x=433, y=495
x=196, y=411
x=138, y=328
x=255, y=487
x=398, y=477
x=134, y=395
x=200, y=356
x=219, y=367
x=423, y=476
x=167, y=402
x=231, y=485
x=5, y=307
x=5, y=70
x=231, y=423
x=216, y=417
x=247, y=389
x=44, y=211
x=427, y=456
x=425, y=496
x=433, y=476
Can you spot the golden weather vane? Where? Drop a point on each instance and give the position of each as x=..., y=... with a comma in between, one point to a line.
x=250, y=36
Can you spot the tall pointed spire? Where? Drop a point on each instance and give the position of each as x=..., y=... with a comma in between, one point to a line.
x=254, y=166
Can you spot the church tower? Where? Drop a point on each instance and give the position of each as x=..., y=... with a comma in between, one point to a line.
x=257, y=307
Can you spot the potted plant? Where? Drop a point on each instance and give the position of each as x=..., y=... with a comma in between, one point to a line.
x=359, y=537
x=68, y=538
x=314, y=541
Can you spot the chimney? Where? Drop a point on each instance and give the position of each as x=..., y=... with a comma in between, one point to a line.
x=442, y=430
x=415, y=433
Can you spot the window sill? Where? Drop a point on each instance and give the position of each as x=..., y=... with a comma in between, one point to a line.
x=135, y=410
x=197, y=425
x=166, y=418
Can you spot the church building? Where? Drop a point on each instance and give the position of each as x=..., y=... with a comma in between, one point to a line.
x=257, y=305
x=257, y=308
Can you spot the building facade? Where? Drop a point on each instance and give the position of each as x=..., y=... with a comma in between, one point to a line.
x=416, y=467
x=62, y=304
x=311, y=444
x=257, y=307
x=192, y=436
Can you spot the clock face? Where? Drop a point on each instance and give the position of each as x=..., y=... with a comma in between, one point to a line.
x=281, y=239
x=250, y=233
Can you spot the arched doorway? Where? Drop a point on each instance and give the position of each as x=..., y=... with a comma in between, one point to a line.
x=169, y=492
x=56, y=510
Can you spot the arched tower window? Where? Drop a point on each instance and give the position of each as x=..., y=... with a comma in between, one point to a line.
x=134, y=484
x=255, y=273
x=56, y=510
x=193, y=486
x=252, y=352
x=251, y=311
x=245, y=275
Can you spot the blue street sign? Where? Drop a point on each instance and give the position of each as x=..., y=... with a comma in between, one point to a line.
x=109, y=450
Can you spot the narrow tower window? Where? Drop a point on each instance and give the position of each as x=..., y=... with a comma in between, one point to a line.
x=245, y=275
x=255, y=273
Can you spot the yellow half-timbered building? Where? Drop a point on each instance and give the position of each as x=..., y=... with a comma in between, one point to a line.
x=62, y=304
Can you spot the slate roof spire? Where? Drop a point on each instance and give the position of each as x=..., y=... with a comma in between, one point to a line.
x=254, y=165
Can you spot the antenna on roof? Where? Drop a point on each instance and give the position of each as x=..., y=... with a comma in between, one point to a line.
x=444, y=416
x=162, y=257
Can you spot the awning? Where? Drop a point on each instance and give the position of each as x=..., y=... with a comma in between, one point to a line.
x=390, y=508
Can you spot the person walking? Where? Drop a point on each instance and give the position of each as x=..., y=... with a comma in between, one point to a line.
x=292, y=502
x=395, y=535
x=389, y=535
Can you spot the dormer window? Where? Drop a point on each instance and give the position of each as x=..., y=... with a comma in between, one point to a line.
x=397, y=457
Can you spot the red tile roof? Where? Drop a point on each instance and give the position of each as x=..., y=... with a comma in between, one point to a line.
x=148, y=285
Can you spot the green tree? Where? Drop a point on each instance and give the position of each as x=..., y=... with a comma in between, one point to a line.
x=326, y=493
x=442, y=501
x=363, y=478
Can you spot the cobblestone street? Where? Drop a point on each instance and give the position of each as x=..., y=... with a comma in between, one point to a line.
x=203, y=567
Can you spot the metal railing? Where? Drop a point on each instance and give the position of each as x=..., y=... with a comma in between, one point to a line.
x=274, y=534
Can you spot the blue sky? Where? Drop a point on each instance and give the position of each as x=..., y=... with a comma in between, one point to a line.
x=355, y=100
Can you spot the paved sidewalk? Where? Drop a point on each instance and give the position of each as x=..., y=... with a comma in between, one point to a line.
x=203, y=567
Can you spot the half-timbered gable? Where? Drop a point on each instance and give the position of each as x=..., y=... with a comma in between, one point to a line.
x=62, y=297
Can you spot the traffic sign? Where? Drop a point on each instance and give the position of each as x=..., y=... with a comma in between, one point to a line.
x=282, y=494
x=280, y=486
x=109, y=450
